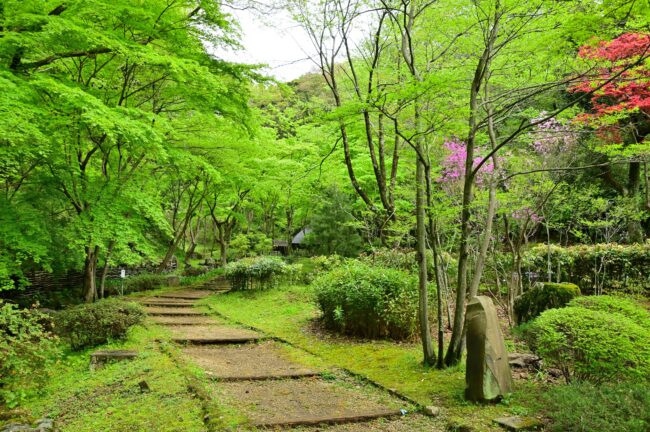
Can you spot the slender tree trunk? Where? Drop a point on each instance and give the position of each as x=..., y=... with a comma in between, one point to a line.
x=423, y=305
x=90, y=265
x=107, y=261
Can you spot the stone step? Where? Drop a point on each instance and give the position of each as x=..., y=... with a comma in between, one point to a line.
x=305, y=402
x=183, y=320
x=213, y=335
x=186, y=294
x=248, y=362
x=172, y=311
x=167, y=304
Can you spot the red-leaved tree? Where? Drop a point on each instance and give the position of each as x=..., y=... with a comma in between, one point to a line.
x=620, y=110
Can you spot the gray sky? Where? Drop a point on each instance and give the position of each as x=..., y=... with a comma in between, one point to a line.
x=272, y=39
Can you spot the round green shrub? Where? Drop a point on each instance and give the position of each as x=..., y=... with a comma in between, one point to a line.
x=591, y=345
x=26, y=347
x=368, y=301
x=541, y=297
x=613, y=304
x=259, y=272
x=93, y=324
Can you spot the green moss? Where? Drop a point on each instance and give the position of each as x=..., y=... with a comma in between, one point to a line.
x=290, y=313
x=110, y=398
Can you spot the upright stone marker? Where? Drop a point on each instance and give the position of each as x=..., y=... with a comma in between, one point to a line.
x=487, y=373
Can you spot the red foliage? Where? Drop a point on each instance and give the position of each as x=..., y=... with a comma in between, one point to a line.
x=626, y=93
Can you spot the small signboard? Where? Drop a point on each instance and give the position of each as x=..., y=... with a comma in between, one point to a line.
x=122, y=273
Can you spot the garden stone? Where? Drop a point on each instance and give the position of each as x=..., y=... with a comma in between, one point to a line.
x=172, y=280
x=518, y=423
x=432, y=411
x=99, y=358
x=524, y=361
x=487, y=373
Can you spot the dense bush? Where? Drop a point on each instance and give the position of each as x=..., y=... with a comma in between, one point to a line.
x=597, y=269
x=618, y=305
x=543, y=296
x=585, y=407
x=93, y=324
x=591, y=345
x=259, y=272
x=26, y=346
x=313, y=267
x=144, y=282
x=368, y=301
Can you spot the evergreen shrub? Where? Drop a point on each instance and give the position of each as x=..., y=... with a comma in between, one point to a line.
x=368, y=301
x=258, y=272
x=93, y=324
x=617, y=305
x=596, y=269
x=591, y=345
x=543, y=296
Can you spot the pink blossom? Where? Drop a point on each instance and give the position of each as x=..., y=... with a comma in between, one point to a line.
x=526, y=213
x=552, y=136
x=453, y=165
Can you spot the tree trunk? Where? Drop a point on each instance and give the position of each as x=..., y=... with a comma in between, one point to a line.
x=423, y=304
x=107, y=261
x=90, y=265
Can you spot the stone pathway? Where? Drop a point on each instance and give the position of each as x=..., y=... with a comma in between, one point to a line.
x=255, y=375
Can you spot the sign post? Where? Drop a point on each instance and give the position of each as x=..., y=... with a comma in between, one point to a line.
x=122, y=277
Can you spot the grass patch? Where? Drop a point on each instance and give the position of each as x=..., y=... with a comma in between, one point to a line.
x=289, y=312
x=111, y=399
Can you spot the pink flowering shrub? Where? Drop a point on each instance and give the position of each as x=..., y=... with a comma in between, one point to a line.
x=453, y=165
x=552, y=136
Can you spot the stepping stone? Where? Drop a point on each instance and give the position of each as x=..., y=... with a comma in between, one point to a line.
x=171, y=303
x=182, y=320
x=213, y=334
x=99, y=358
x=248, y=362
x=186, y=294
x=516, y=423
x=305, y=402
x=173, y=311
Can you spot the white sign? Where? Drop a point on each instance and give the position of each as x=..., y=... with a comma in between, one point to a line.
x=122, y=273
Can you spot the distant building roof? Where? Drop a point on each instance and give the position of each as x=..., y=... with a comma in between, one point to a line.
x=300, y=237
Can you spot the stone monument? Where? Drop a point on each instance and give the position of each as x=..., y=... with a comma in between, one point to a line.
x=487, y=372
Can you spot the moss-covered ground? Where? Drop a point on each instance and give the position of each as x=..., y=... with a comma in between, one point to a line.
x=289, y=312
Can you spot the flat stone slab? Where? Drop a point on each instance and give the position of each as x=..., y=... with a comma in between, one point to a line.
x=171, y=303
x=410, y=423
x=186, y=294
x=184, y=320
x=172, y=311
x=101, y=357
x=516, y=423
x=311, y=401
x=247, y=362
x=212, y=334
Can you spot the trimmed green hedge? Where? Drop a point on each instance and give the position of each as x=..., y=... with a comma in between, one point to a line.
x=543, y=296
x=93, y=324
x=612, y=267
x=591, y=345
x=368, y=301
x=615, y=305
